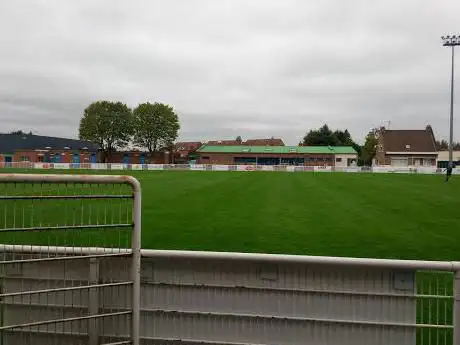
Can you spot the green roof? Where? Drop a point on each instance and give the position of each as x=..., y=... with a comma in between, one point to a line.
x=277, y=149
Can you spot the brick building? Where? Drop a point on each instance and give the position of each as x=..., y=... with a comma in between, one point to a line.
x=342, y=156
x=37, y=148
x=139, y=157
x=406, y=147
x=185, y=151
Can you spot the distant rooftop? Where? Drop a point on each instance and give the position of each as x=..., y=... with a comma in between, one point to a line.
x=14, y=142
x=249, y=142
x=408, y=140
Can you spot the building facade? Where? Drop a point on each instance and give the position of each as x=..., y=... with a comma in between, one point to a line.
x=278, y=155
x=185, y=151
x=443, y=159
x=406, y=147
x=37, y=148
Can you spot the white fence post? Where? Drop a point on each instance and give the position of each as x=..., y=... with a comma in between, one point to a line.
x=456, y=309
x=93, y=302
x=136, y=262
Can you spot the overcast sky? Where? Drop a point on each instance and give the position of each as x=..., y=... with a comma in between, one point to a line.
x=251, y=68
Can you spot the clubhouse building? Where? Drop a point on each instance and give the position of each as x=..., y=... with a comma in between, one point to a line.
x=339, y=156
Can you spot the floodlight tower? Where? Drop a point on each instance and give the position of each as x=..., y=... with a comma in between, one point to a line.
x=452, y=42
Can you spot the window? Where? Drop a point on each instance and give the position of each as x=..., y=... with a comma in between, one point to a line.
x=338, y=160
x=25, y=158
x=205, y=157
x=41, y=158
x=245, y=160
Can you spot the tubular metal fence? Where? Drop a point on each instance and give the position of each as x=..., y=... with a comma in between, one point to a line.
x=70, y=274
x=72, y=295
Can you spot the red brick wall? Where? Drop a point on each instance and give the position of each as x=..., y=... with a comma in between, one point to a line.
x=134, y=157
x=66, y=156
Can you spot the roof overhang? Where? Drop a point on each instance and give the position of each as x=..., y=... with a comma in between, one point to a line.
x=410, y=153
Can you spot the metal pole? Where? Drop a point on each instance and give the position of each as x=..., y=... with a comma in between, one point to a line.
x=456, y=311
x=136, y=263
x=451, y=137
x=452, y=42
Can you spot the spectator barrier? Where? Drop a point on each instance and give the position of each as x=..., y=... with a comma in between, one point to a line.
x=223, y=167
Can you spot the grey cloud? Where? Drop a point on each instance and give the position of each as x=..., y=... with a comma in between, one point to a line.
x=229, y=67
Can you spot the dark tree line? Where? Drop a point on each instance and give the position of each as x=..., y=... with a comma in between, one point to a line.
x=20, y=132
x=443, y=145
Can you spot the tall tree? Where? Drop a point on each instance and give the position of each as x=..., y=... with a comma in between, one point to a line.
x=442, y=145
x=156, y=126
x=369, y=149
x=108, y=124
x=321, y=137
x=239, y=140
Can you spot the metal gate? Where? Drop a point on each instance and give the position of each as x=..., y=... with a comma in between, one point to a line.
x=70, y=265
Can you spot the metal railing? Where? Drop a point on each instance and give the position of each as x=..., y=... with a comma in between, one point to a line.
x=71, y=274
x=234, y=298
x=223, y=167
x=65, y=296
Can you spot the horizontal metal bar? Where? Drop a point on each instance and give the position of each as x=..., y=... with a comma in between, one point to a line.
x=72, y=334
x=72, y=288
x=161, y=340
x=53, y=333
x=61, y=307
x=71, y=319
x=60, y=258
x=16, y=248
x=59, y=197
x=68, y=227
x=294, y=290
x=292, y=318
x=63, y=178
x=301, y=259
x=447, y=266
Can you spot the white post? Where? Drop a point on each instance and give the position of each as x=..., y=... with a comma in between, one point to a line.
x=93, y=302
x=456, y=309
x=136, y=263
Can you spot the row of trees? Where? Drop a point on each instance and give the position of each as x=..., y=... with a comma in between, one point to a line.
x=324, y=136
x=444, y=145
x=113, y=125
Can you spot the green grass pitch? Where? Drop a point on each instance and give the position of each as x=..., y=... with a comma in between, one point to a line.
x=334, y=214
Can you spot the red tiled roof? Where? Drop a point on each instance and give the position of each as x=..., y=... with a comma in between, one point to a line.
x=223, y=142
x=188, y=145
x=409, y=140
x=249, y=142
x=264, y=142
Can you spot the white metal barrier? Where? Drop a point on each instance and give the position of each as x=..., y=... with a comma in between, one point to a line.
x=234, y=298
x=220, y=167
x=71, y=274
x=75, y=295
